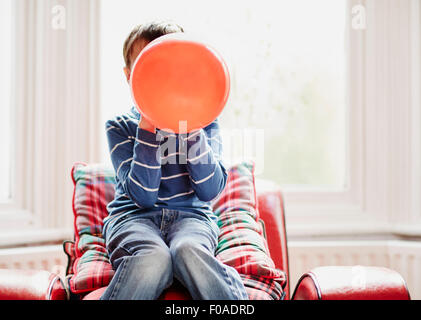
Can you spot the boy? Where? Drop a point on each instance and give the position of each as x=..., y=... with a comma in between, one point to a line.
x=160, y=224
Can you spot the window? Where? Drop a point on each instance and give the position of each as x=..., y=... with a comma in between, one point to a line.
x=5, y=97
x=288, y=67
x=355, y=169
x=338, y=113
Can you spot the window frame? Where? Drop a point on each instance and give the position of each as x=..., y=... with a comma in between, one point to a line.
x=383, y=197
x=55, y=103
x=14, y=212
x=6, y=203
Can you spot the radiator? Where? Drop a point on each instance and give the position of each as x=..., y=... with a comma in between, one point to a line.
x=401, y=256
x=51, y=258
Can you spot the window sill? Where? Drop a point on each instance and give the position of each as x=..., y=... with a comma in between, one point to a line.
x=32, y=237
x=337, y=230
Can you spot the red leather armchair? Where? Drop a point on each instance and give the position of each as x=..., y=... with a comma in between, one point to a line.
x=31, y=285
x=324, y=283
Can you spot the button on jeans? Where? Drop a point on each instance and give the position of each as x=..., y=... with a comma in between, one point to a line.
x=148, y=250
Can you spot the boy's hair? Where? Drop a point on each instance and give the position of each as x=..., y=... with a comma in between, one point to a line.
x=149, y=32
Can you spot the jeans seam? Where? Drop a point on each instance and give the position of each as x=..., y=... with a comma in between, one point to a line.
x=162, y=220
x=231, y=284
x=237, y=290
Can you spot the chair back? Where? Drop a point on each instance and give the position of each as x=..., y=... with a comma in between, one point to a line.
x=272, y=212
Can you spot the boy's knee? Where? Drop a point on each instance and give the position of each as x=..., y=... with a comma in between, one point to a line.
x=157, y=256
x=153, y=265
x=187, y=248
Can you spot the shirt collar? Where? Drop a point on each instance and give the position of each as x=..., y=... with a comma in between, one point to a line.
x=135, y=112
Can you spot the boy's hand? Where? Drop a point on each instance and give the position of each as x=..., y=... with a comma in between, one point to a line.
x=146, y=125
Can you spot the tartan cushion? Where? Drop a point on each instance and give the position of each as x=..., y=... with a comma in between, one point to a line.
x=239, y=194
x=92, y=269
x=93, y=190
x=69, y=250
x=259, y=288
x=242, y=243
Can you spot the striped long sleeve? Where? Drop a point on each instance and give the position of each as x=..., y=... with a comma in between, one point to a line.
x=152, y=171
x=208, y=175
x=136, y=161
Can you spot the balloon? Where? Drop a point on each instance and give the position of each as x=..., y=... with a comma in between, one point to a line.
x=179, y=84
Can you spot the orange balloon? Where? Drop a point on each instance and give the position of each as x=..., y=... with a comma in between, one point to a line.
x=179, y=84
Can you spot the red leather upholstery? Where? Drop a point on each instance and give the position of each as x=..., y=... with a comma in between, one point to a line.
x=30, y=285
x=176, y=292
x=95, y=295
x=351, y=283
x=271, y=210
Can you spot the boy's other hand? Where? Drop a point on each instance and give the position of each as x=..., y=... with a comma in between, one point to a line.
x=146, y=125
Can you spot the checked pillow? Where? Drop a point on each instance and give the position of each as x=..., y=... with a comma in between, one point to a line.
x=259, y=288
x=93, y=190
x=242, y=243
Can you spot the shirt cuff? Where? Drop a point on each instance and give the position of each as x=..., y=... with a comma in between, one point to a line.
x=148, y=137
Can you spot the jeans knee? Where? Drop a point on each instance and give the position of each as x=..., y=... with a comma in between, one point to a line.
x=186, y=250
x=159, y=257
x=156, y=264
x=163, y=257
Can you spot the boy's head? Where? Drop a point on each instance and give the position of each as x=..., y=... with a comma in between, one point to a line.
x=140, y=36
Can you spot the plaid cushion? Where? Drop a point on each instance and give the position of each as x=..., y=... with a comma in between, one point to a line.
x=93, y=190
x=240, y=193
x=92, y=269
x=69, y=250
x=242, y=243
x=259, y=288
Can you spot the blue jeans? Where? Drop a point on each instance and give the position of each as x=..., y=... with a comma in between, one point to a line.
x=148, y=249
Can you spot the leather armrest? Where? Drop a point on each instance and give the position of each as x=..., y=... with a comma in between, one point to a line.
x=30, y=285
x=351, y=283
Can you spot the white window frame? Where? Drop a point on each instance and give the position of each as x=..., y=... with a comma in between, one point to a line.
x=55, y=111
x=384, y=116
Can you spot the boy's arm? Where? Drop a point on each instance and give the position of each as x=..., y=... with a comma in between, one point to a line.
x=208, y=175
x=135, y=162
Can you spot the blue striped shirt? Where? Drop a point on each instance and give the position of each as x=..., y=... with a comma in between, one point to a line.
x=162, y=169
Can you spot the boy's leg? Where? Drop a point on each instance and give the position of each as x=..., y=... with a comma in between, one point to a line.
x=141, y=259
x=192, y=241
